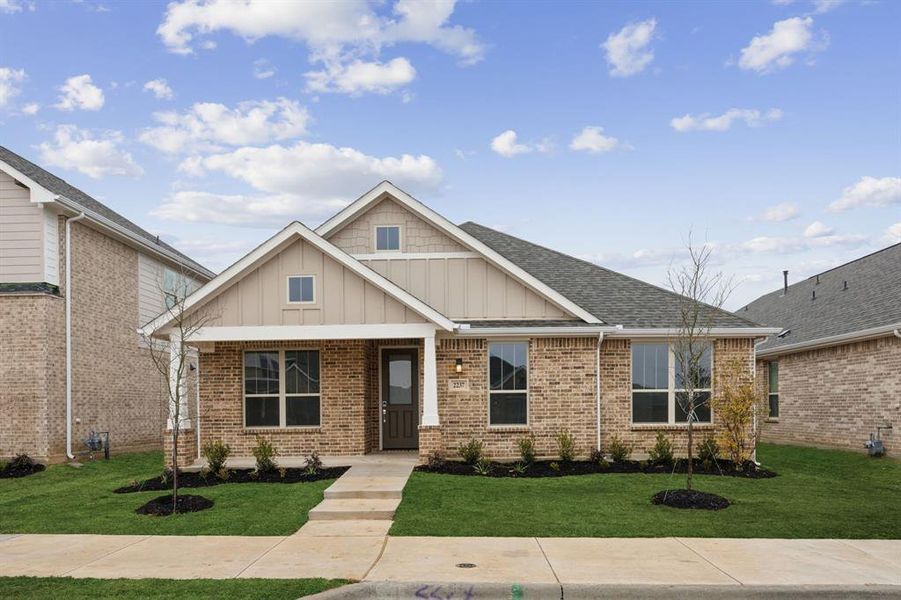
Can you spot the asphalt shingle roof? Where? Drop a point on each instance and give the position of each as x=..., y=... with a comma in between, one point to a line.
x=614, y=298
x=872, y=299
x=61, y=187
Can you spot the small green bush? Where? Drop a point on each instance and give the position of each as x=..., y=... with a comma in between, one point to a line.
x=471, y=451
x=436, y=459
x=526, y=446
x=216, y=453
x=313, y=464
x=566, y=445
x=603, y=464
x=264, y=453
x=519, y=468
x=482, y=466
x=662, y=452
x=555, y=466
x=708, y=450
x=619, y=450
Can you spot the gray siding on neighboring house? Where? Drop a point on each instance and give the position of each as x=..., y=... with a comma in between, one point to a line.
x=21, y=234
x=150, y=296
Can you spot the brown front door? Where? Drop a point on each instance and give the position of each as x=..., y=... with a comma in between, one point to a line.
x=400, y=398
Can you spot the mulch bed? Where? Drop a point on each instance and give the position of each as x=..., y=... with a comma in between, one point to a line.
x=198, y=480
x=543, y=468
x=690, y=499
x=21, y=466
x=162, y=505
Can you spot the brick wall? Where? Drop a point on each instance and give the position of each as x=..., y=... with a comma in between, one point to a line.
x=836, y=396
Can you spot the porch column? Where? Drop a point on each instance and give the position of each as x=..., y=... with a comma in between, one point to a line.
x=430, y=383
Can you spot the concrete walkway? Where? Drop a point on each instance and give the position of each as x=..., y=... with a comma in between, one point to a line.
x=374, y=557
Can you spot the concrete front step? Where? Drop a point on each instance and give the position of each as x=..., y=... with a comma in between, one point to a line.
x=355, y=508
x=352, y=486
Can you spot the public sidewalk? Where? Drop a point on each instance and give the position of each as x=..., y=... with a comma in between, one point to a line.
x=372, y=556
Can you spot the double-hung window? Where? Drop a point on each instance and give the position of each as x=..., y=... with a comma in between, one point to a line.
x=508, y=375
x=387, y=237
x=773, y=394
x=301, y=289
x=281, y=388
x=659, y=376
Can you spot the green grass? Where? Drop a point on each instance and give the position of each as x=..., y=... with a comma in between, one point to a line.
x=67, y=500
x=818, y=494
x=197, y=589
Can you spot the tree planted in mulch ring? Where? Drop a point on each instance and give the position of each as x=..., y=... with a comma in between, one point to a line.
x=21, y=466
x=690, y=499
x=207, y=479
x=162, y=505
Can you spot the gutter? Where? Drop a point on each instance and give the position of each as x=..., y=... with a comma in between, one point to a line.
x=577, y=331
x=720, y=332
x=69, y=222
x=833, y=340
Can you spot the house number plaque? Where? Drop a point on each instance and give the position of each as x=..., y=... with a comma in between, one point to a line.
x=457, y=385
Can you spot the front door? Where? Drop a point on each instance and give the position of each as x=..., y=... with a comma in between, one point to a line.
x=400, y=398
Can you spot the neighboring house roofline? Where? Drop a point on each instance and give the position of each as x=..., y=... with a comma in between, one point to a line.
x=833, y=340
x=374, y=195
x=297, y=229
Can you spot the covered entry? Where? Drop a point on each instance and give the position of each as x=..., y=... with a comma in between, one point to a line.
x=399, y=397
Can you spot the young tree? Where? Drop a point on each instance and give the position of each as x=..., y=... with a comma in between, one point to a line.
x=702, y=294
x=172, y=359
x=738, y=404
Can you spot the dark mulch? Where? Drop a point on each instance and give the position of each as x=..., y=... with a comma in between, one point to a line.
x=197, y=480
x=21, y=466
x=690, y=499
x=162, y=505
x=543, y=468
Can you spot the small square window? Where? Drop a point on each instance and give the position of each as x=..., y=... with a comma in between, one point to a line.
x=387, y=238
x=302, y=289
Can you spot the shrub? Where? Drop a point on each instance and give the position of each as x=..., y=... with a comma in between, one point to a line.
x=519, y=468
x=216, y=453
x=603, y=464
x=436, y=459
x=471, y=451
x=282, y=471
x=662, y=452
x=596, y=456
x=708, y=450
x=555, y=466
x=619, y=450
x=736, y=404
x=526, y=446
x=482, y=466
x=21, y=462
x=223, y=474
x=313, y=464
x=566, y=444
x=264, y=453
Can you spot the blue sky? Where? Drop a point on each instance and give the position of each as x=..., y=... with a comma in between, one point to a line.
x=772, y=130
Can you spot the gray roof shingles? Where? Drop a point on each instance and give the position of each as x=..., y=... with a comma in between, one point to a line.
x=59, y=186
x=612, y=297
x=873, y=299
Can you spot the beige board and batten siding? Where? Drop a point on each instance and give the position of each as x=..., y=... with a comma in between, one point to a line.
x=21, y=234
x=260, y=297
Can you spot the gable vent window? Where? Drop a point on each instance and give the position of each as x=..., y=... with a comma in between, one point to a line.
x=302, y=289
x=387, y=237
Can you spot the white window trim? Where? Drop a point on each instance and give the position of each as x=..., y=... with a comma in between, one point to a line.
x=671, y=391
x=288, y=289
x=375, y=238
x=526, y=391
x=282, y=392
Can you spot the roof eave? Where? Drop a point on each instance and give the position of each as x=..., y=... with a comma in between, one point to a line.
x=832, y=340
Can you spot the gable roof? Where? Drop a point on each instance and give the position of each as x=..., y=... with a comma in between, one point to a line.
x=294, y=230
x=612, y=297
x=83, y=202
x=872, y=300
x=374, y=195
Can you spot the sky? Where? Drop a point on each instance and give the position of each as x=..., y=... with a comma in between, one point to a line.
x=612, y=131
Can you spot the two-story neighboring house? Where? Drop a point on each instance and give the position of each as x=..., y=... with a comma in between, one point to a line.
x=64, y=373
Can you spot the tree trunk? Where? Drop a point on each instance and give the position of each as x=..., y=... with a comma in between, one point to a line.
x=691, y=407
x=175, y=467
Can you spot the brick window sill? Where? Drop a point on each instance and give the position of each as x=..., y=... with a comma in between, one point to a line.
x=771, y=420
x=509, y=429
x=671, y=427
x=256, y=430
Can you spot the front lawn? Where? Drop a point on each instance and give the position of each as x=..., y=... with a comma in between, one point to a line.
x=818, y=494
x=63, y=499
x=163, y=589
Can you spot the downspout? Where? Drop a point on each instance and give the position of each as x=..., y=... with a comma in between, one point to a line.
x=197, y=404
x=598, y=389
x=69, y=334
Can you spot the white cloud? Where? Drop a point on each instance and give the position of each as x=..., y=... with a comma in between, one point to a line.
x=80, y=93
x=210, y=126
x=592, y=139
x=214, y=253
x=791, y=244
x=160, y=88
x=95, y=156
x=779, y=48
x=263, y=69
x=244, y=210
x=506, y=145
x=824, y=6
x=706, y=122
x=627, y=50
x=338, y=34
x=14, y=6
x=869, y=191
x=780, y=212
x=9, y=84
x=300, y=180
x=31, y=108
x=358, y=77
x=818, y=229
x=892, y=234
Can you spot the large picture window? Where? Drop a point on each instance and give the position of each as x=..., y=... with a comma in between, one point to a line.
x=281, y=388
x=658, y=385
x=773, y=395
x=508, y=378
